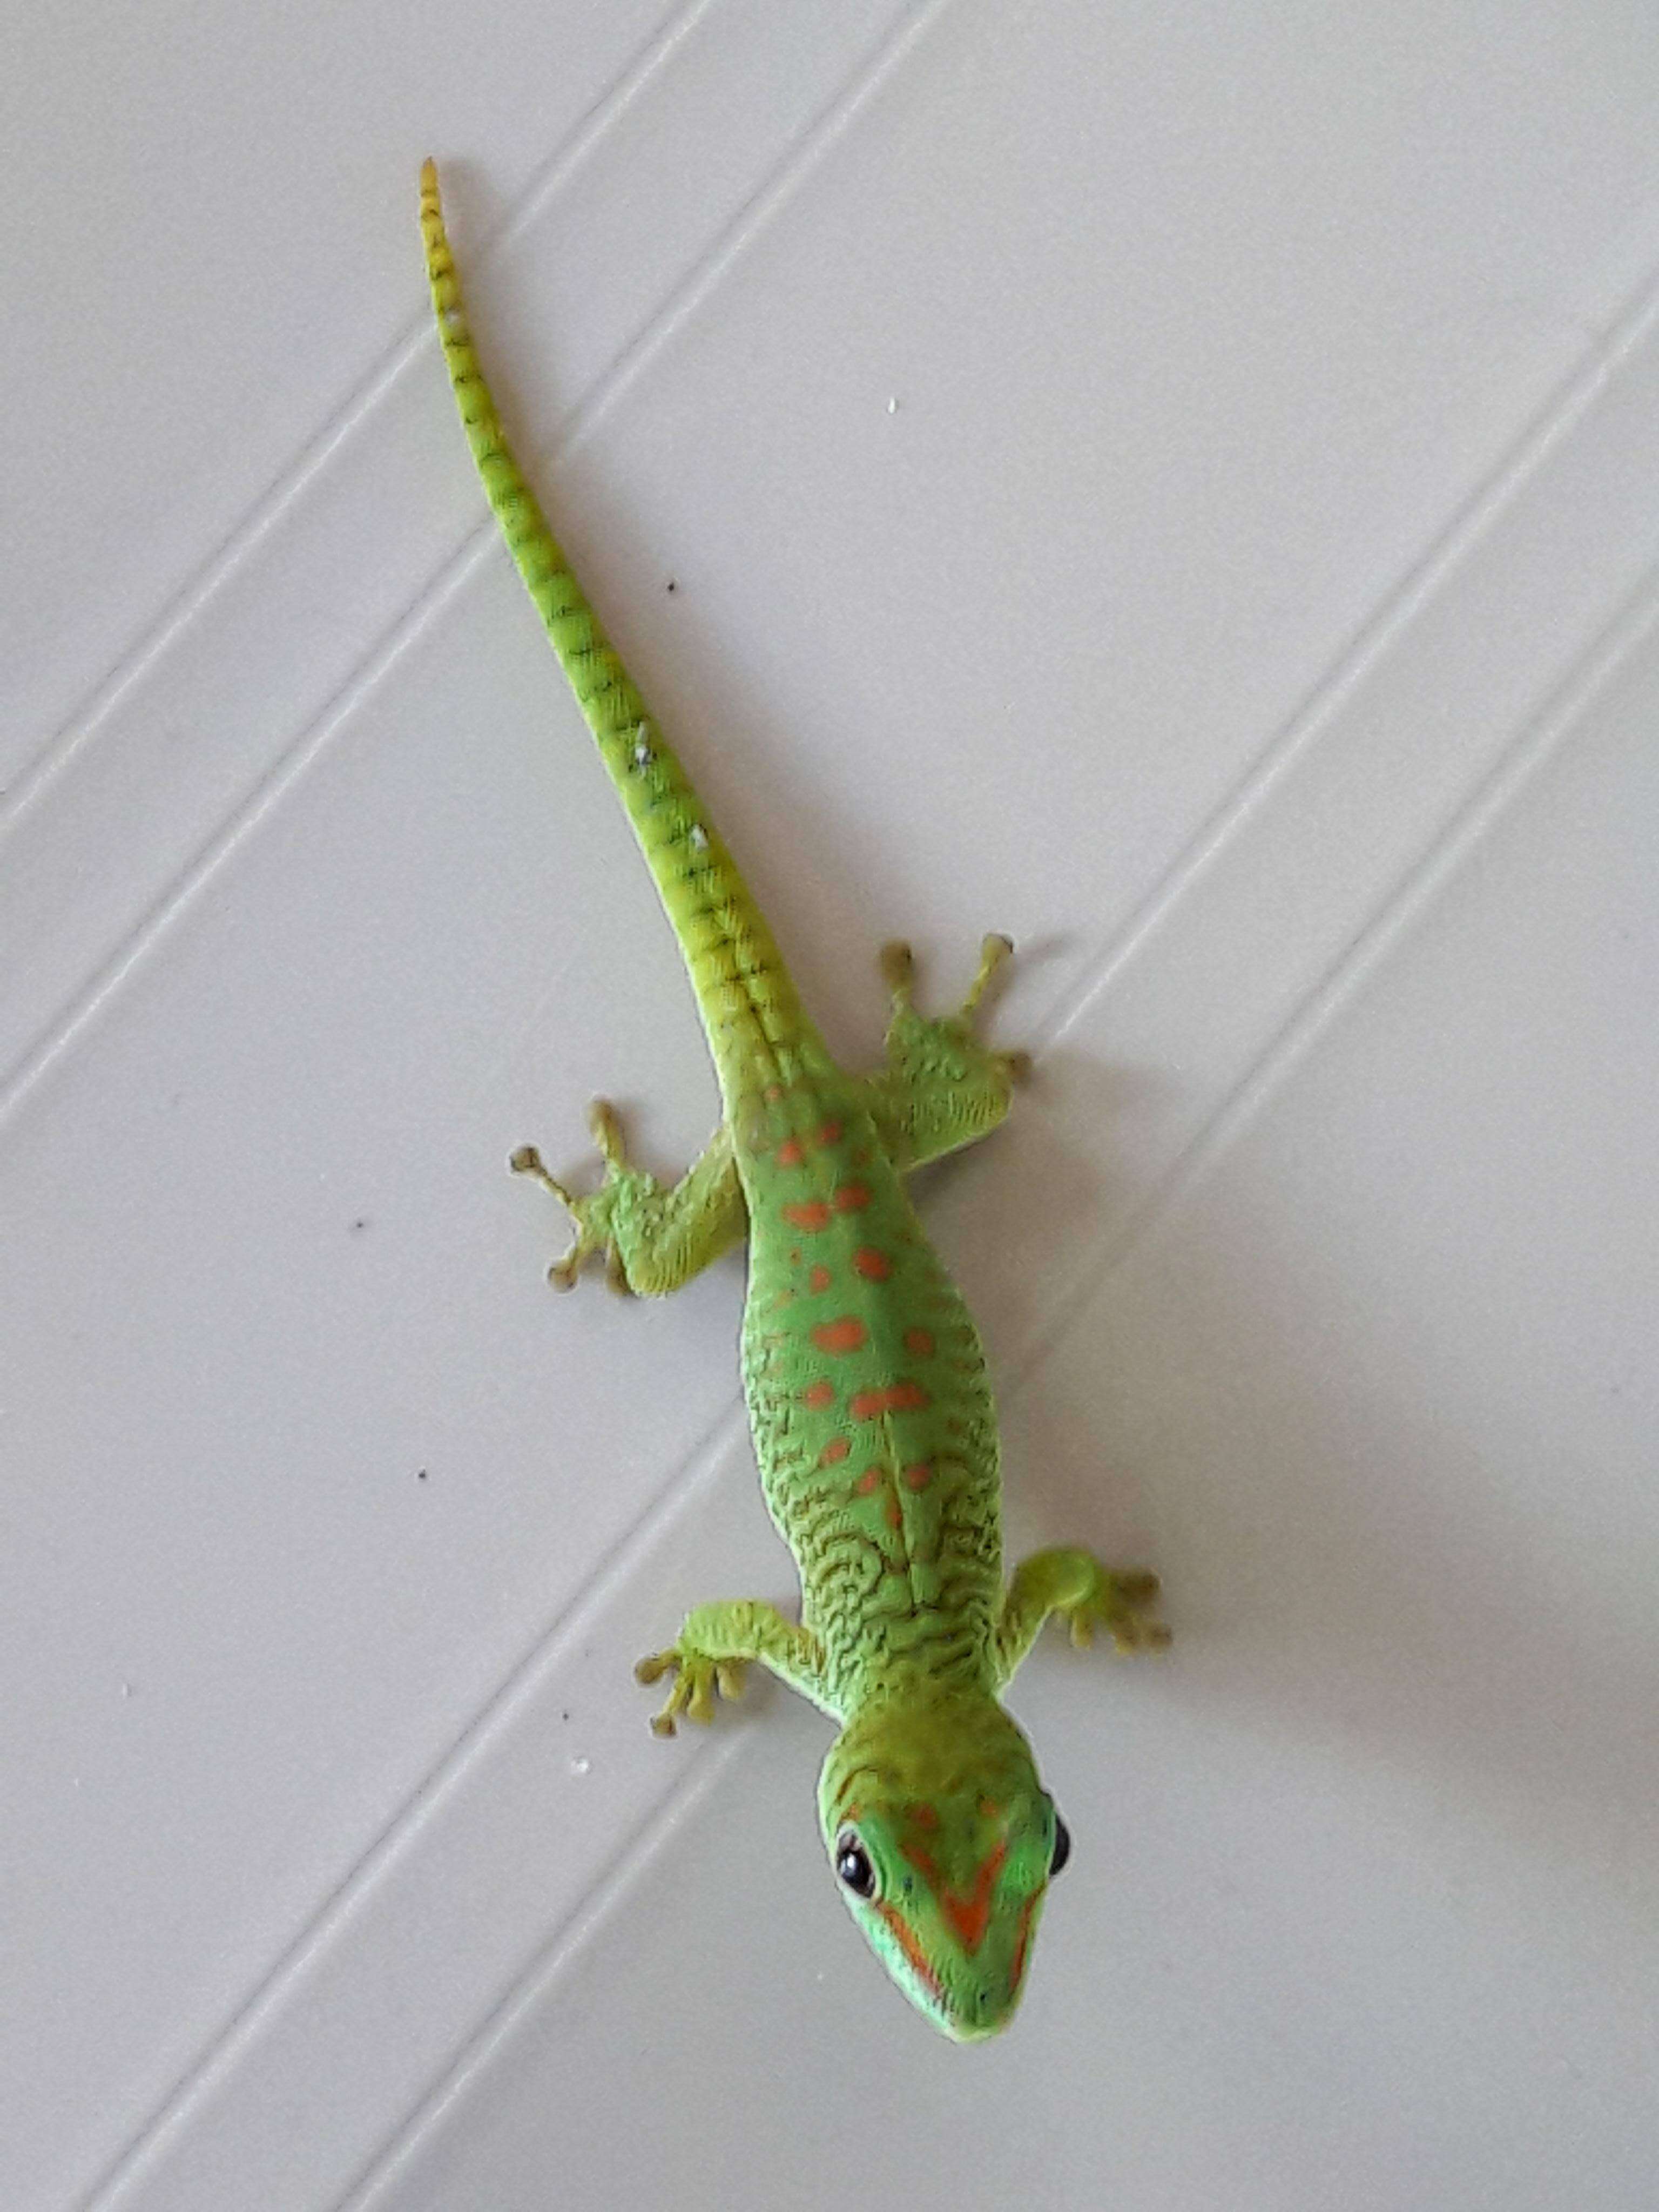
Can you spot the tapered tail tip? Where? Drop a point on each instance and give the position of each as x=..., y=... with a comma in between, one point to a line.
x=430, y=175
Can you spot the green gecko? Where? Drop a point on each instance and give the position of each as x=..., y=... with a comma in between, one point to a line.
x=866, y=1389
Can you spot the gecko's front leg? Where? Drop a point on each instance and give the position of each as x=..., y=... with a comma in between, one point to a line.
x=716, y=1643
x=1086, y=1595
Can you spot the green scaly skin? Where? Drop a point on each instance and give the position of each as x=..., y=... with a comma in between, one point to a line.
x=873, y=1417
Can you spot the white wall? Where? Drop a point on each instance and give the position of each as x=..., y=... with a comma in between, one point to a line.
x=1180, y=484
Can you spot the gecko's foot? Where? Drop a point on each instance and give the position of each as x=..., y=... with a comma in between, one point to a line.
x=698, y=1682
x=898, y=972
x=1117, y=1601
x=594, y=1213
x=949, y=1086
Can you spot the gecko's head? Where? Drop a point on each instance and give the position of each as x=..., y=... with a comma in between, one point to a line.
x=943, y=1842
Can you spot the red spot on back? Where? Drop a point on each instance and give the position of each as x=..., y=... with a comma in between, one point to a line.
x=895, y=1515
x=845, y=1334
x=817, y=1395
x=875, y=1267
x=834, y=1452
x=828, y=1134
x=919, y=1476
x=820, y=1279
x=919, y=1343
x=790, y=1154
x=852, y=1198
x=901, y=1397
x=869, y=1481
x=810, y=1213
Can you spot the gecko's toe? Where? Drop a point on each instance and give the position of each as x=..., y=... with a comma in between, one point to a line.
x=527, y=1161
x=1130, y=1637
x=898, y=970
x=606, y=1126
x=994, y=951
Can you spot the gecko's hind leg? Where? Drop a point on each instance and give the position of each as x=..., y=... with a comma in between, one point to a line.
x=654, y=1235
x=942, y=1087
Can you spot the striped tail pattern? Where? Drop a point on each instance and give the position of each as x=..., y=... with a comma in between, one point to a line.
x=755, y=1024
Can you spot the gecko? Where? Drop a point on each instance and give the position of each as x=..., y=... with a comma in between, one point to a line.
x=866, y=1383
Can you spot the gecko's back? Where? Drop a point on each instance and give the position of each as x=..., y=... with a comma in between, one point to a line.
x=868, y=1394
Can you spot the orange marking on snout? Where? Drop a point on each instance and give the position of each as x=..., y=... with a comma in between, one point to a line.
x=834, y=1452
x=810, y=1213
x=852, y=1198
x=875, y=1267
x=817, y=1395
x=970, y=1916
x=845, y=1334
x=919, y=1343
x=912, y=1950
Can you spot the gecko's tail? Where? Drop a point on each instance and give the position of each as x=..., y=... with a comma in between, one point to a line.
x=749, y=1005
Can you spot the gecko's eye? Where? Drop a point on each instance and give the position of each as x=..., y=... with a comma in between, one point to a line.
x=1062, y=1850
x=853, y=1864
